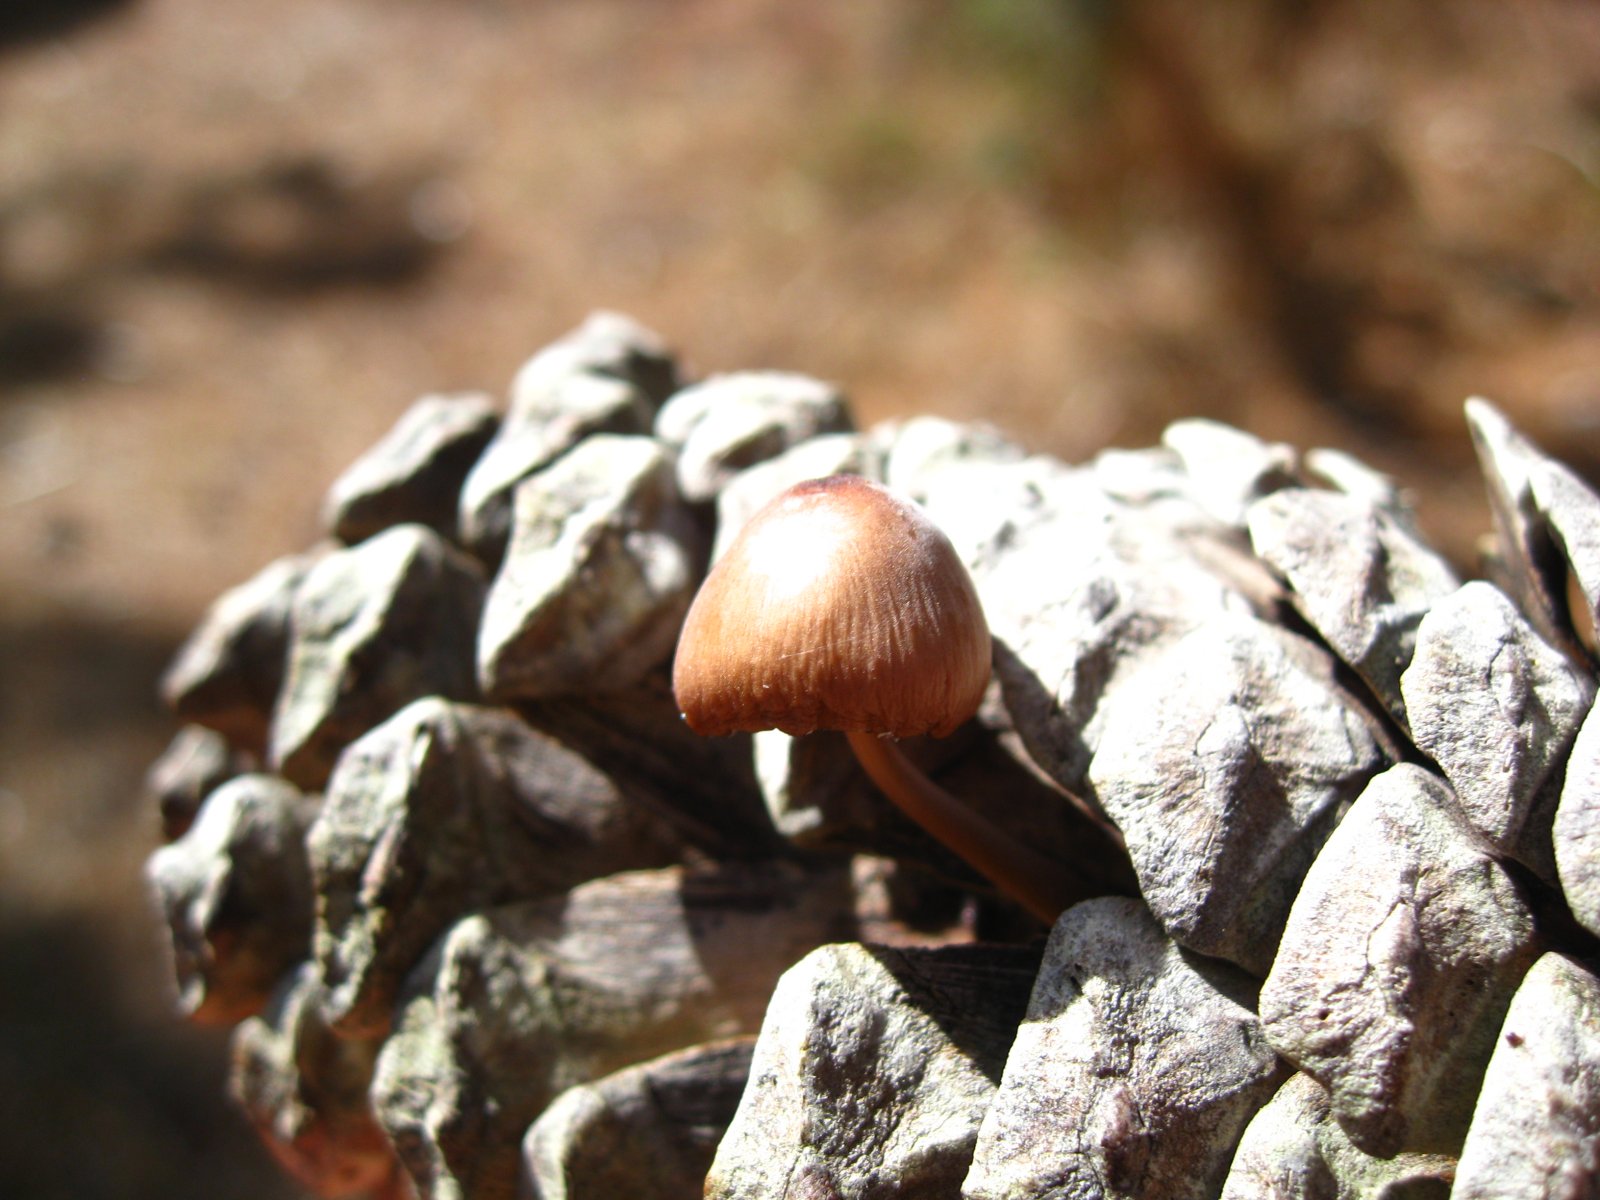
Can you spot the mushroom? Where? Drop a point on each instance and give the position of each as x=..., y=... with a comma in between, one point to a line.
x=842, y=606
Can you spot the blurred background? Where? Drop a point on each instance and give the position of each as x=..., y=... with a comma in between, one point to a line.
x=238, y=238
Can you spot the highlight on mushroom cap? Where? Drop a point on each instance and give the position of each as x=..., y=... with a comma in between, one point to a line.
x=840, y=605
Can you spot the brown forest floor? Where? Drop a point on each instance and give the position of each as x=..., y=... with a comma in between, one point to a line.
x=237, y=238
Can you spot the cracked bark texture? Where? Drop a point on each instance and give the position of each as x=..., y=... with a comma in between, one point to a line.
x=1536, y=1129
x=1133, y=1073
x=371, y=629
x=1402, y=953
x=517, y=1003
x=911, y=1042
x=443, y=809
x=1293, y=1149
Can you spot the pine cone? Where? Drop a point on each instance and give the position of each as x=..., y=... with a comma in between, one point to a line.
x=467, y=884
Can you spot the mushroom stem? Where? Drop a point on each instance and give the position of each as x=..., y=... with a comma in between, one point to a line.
x=1044, y=887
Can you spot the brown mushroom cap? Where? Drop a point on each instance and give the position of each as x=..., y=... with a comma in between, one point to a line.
x=839, y=606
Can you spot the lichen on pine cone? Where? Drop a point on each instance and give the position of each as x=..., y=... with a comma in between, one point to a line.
x=491, y=921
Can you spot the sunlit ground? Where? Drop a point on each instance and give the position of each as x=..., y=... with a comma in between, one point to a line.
x=237, y=239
